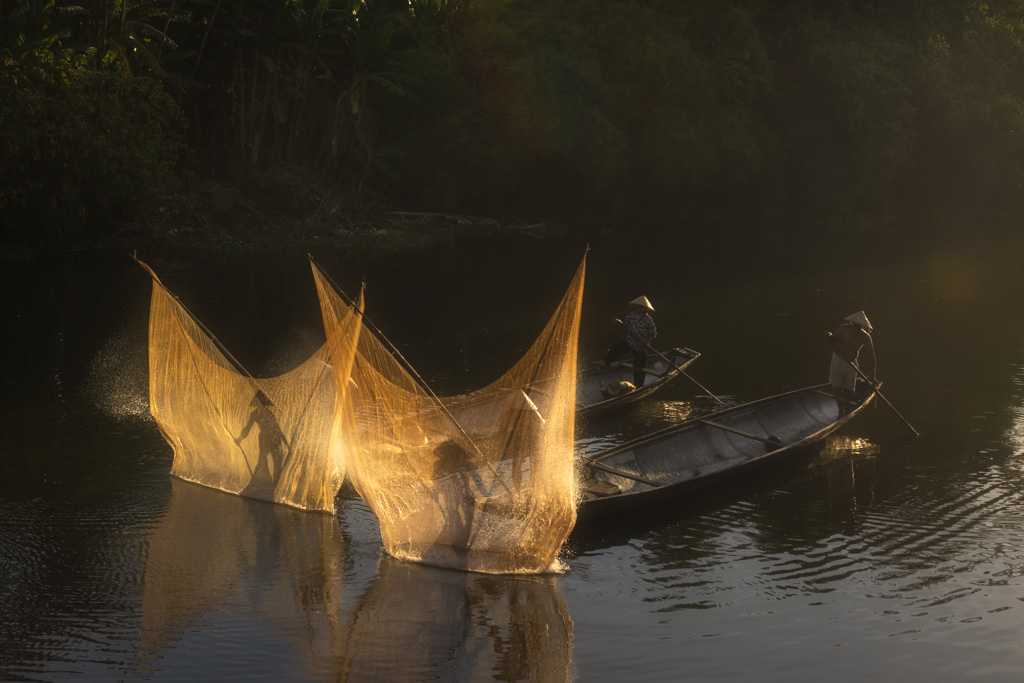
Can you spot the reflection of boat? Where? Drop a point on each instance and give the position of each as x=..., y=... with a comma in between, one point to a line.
x=704, y=451
x=422, y=623
x=592, y=393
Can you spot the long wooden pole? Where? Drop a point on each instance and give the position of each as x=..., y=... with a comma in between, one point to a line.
x=860, y=372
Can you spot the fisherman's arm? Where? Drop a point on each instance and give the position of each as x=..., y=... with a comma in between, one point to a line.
x=245, y=430
x=651, y=331
x=835, y=340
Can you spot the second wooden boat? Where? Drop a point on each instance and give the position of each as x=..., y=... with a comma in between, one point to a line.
x=595, y=387
x=705, y=451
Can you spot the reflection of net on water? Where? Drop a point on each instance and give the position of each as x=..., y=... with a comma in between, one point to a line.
x=275, y=439
x=212, y=558
x=421, y=623
x=482, y=481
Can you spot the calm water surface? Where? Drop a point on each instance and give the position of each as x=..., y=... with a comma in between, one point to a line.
x=881, y=557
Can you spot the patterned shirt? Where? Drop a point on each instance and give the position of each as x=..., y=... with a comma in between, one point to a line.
x=639, y=328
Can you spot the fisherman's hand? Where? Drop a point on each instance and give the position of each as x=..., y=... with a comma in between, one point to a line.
x=617, y=321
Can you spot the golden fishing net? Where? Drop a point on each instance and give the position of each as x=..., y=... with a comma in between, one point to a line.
x=274, y=439
x=483, y=481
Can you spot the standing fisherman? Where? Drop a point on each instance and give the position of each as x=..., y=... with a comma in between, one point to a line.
x=847, y=341
x=640, y=332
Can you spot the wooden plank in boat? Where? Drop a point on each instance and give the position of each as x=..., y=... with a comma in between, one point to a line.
x=621, y=473
x=767, y=440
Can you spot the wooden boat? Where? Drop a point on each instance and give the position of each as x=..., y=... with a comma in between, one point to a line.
x=705, y=451
x=592, y=395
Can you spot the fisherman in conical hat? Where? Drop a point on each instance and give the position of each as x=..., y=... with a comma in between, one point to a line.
x=847, y=341
x=640, y=332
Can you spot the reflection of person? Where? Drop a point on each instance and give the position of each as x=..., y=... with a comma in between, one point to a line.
x=847, y=341
x=640, y=332
x=272, y=443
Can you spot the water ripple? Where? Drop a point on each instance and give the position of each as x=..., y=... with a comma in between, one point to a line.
x=941, y=543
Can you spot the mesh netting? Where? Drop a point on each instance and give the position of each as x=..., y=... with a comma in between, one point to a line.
x=276, y=439
x=482, y=481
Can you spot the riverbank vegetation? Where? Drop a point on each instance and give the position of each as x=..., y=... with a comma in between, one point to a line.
x=250, y=120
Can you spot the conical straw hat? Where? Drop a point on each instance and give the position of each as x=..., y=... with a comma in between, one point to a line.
x=860, y=319
x=642, y=301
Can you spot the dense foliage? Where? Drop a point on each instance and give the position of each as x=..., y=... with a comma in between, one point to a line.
x=809, y=112
x=84, y=150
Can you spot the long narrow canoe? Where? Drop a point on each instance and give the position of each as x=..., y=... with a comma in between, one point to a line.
x=708, y=450
x=591, y=385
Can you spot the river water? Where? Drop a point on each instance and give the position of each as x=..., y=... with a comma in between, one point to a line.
x=882, y=556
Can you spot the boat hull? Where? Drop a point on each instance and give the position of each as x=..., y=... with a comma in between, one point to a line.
x=705, y=452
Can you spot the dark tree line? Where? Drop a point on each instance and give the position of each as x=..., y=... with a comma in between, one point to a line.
x=815, y=114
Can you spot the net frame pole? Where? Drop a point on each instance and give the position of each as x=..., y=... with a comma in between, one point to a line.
x=412, y=372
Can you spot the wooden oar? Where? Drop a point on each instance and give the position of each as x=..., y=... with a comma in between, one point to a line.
x=706, y=390
x=671, y=364
x=873, y=386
